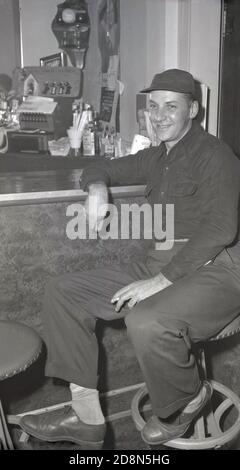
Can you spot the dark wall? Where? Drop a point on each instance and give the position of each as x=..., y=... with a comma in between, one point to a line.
x=230, y=93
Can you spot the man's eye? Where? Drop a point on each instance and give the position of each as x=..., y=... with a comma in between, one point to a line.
x=153, y=106
x=171, y=106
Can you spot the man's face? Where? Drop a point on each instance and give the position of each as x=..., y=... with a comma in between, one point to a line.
x=171, y=115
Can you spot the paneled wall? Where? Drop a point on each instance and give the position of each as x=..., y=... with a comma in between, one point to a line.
x=204, y=51
x=37, y=37
x=192, y=42
x=142, y=53
x=9, y=36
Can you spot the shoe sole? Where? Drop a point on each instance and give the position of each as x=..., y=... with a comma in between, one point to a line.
x=91, y=445
x=181, y=434
x=170, y=438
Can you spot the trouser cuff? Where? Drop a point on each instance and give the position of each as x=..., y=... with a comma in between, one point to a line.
x=70, y=375
x=178, y=405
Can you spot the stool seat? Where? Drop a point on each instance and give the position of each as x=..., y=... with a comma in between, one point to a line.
x=231, y=329
x=19, y=348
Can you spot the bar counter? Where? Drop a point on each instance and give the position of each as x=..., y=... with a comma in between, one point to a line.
x=34, y=179
x=35, y=192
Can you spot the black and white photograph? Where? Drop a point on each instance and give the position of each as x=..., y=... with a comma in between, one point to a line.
x=120, y=234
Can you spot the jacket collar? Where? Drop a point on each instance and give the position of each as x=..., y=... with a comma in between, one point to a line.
x=194, y=129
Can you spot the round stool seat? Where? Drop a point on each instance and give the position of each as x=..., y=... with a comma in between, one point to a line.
x=231, y=329
x=19, y=348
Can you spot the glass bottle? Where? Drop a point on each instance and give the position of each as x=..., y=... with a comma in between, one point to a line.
x=97, y=128
x=110, y=143
x=88, y=135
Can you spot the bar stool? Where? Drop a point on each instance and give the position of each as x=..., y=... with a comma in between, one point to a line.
x=208, y=431
x=19, y=348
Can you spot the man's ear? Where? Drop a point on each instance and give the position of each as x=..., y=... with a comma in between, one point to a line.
x=194, y=109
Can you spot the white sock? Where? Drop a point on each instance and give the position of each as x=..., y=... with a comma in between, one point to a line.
x=85, y=402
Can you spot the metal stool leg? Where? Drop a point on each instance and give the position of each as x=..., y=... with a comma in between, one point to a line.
x=5, y=437
x=208, y=432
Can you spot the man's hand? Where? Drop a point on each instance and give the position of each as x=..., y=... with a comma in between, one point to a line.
x=139, y=290
x=96, y=205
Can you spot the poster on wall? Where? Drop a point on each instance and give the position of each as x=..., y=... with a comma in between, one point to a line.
x=108, y=42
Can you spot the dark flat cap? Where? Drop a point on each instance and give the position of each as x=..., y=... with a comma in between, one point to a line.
x=172, y=80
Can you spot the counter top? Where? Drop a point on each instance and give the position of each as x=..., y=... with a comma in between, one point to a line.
x=39, y=183
x=15, y=162
x=50, y=186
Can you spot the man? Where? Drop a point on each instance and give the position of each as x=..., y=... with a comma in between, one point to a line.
x=178, y=297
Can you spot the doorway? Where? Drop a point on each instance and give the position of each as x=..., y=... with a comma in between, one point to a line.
x=229, y=104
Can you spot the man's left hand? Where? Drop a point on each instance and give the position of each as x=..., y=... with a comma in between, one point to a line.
x=139, y=290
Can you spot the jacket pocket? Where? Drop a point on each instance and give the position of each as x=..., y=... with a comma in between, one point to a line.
x=183, y=189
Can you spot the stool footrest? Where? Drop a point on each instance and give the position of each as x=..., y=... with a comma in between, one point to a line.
x=210, y=419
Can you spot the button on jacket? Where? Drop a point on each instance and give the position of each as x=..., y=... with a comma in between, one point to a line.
x=201, y=176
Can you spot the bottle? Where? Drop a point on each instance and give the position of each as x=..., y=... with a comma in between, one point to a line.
x=102, y=142
x=106, y=141
x=113, y=141
x=88, y=135
x=110, y=143
x=118, y=146
x=46, y=88
x=60, y=88
x=97, y=129
x=74, y=114
x=53, y=88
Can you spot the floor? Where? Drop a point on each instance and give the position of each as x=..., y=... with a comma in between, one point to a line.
x=121, y=433
x=31, y=390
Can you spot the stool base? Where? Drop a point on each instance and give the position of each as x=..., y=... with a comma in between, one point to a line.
x=207, y=432
x=5, y=438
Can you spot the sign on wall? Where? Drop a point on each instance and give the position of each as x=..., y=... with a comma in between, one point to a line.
x=108, y=42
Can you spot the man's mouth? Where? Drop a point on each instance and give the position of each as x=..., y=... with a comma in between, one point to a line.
x=163, y=127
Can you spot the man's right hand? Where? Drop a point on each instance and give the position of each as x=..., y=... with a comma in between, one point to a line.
x=96, y=205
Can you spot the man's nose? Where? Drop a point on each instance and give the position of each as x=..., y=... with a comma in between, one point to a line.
x=161, y=114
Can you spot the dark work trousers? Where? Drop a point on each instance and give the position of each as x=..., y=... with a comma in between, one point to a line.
x=162, y=327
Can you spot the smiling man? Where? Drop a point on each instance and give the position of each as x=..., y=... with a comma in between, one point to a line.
x=173, y=299
x=170, y=113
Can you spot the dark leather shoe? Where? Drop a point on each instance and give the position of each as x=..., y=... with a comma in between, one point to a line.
x=157, y=431
x=63, y=425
